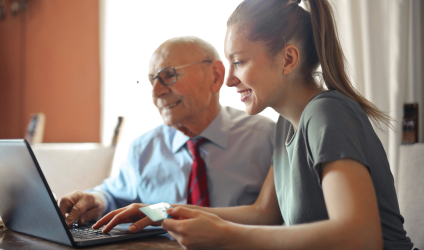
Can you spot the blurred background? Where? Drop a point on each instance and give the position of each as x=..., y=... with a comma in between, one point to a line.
x=78, y=62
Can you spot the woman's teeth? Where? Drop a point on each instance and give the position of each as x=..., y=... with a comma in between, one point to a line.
x=244, y=93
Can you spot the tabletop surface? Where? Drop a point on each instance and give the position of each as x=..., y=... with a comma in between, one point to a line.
x=10, y=240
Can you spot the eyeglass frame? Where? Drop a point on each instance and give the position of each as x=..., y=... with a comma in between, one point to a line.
x=175, y=72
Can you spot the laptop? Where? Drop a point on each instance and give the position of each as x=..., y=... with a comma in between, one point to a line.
x=27, y=204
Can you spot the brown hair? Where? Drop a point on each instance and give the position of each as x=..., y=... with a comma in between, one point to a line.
x=275, y=22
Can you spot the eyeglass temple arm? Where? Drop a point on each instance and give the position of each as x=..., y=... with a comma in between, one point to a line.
x=186, y=65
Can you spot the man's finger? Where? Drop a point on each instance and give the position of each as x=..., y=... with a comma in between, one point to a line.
x=78, y=210
x=89, y=215
x=66, y=203
x=121, y=217
x=105, y=219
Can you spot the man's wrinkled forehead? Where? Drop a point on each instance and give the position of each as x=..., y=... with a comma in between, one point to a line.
x=174, y=54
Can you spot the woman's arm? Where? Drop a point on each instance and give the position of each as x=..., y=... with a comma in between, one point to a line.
x=265, y=211
x=354, y=221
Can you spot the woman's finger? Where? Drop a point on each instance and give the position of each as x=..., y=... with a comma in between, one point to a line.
x=173, y=225
x=183, y=212
x=176, y=236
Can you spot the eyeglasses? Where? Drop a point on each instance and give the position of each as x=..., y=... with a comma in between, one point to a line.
x=168, y=75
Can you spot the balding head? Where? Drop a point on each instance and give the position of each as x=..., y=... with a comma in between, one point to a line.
x=192, y=102
x=201, y=46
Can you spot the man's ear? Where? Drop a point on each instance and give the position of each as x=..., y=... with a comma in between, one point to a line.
x=218, y=75
x=291, y=56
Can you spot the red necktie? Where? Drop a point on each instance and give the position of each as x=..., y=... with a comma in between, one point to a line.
x=197, y=189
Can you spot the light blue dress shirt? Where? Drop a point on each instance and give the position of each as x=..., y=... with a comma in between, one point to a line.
x=238, y=155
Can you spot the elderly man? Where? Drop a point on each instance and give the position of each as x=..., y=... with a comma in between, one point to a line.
x=202, y=155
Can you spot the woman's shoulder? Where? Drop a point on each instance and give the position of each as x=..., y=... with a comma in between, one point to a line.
x=330, y=98
x=332, y=104
x=332, y=110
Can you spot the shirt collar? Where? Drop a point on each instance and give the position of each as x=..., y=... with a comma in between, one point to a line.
x=217, y=132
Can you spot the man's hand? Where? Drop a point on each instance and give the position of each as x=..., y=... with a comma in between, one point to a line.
x=81, y=206
x=126, y=214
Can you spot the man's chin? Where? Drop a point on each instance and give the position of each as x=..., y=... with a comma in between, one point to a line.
x=178, y=125
x=171, y=121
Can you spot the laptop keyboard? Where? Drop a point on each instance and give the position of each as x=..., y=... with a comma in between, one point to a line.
x=86, y=232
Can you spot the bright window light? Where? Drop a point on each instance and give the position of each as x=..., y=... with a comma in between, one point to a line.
x=131, y=30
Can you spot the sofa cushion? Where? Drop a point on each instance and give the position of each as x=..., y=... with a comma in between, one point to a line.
x=73, y=166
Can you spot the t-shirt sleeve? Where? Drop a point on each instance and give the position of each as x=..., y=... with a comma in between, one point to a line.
x=334, y=131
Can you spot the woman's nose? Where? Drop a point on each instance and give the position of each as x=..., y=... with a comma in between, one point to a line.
x=232, y=80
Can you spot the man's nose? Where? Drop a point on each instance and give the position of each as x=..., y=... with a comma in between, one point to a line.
x=159, y=89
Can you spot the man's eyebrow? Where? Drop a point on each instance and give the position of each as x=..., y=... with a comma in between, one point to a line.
x=234, y=53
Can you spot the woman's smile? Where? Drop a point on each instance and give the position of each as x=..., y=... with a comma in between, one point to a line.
x=245, y=94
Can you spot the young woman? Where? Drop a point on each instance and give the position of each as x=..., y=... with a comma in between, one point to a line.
x=330, y=183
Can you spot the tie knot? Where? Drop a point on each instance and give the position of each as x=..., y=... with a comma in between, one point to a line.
x=195, y=143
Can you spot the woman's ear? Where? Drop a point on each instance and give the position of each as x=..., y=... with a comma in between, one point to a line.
x=218, y=75
x=290, y=56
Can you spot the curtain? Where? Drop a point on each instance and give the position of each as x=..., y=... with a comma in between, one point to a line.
x=382, y=42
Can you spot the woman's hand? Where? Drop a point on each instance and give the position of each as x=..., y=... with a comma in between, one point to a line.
x=126, y=214
x=195, y=229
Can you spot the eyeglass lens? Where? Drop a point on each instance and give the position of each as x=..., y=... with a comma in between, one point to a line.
x=166, y=76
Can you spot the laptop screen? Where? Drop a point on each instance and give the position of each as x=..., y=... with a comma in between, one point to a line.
x=26, y=203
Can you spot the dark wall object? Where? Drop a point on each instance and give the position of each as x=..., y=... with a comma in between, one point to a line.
x=410, y=123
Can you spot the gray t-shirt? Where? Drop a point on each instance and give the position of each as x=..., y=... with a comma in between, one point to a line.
x=332, y=127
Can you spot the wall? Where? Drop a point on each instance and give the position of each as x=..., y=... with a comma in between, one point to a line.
x=50, y=63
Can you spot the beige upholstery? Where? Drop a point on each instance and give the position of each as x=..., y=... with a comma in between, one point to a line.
x=73, y=166
x=411, y=191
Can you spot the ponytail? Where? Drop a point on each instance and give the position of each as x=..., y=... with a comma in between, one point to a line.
x=274, y=22
x=333, y=61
